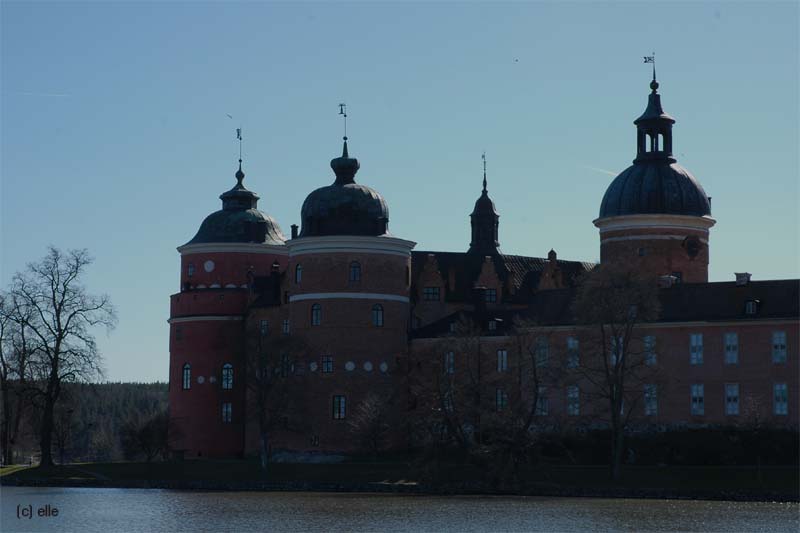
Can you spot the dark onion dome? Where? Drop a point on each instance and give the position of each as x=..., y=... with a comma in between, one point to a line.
x=655, y=183
x=344, y=207
x=484, y=222
x=239, y=220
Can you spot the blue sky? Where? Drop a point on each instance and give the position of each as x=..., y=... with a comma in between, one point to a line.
x=115, y=135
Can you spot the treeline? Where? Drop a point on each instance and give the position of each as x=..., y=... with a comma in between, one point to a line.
x=100, y=422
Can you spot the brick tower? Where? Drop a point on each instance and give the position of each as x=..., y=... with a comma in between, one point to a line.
x=349, y=300
x=206, y=385
x=655, y=216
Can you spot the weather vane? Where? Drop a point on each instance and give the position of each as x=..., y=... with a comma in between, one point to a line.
x=343, y=112
x=652, y=59
x=239, y=137
x=483, y=157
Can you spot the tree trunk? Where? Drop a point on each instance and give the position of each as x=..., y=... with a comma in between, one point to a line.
x=46, y=435
x=618, y=440
x=264, y=452
x=6, y=437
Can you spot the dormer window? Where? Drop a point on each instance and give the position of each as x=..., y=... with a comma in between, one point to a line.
x=751, y=307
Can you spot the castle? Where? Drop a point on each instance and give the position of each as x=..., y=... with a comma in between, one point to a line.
x=368, y=311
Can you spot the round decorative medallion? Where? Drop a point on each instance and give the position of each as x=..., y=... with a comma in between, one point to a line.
x=208, y=266
x=313, y=366
x=200, y=379
x=350, y=366
x=368, y=366
x=384, y=367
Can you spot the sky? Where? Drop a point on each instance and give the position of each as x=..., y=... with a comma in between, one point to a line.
x=115, y=133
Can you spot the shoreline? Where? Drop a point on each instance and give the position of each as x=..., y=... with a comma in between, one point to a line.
x=453, y=489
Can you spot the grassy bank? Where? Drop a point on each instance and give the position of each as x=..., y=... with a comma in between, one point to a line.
x=706, y=481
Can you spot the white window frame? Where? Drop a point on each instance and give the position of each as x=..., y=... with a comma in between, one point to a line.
x=731, y=343
x=573, y=400
x=573, y=352
x=650, y=399
x=695, y=348
x=732, y=399
x=698, y=399
x=502, y=360
x=780, y=399
x=778, y=346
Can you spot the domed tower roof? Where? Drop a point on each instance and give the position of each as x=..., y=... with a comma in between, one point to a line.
x=239, y=220
x=655, y=183
x=344, y=207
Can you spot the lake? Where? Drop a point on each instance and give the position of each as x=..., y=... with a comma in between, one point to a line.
x=140, y=510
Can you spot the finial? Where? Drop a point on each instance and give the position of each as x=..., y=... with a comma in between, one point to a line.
x=652, y=59
x=239, y=173
x=483, y=156
x=343, y=112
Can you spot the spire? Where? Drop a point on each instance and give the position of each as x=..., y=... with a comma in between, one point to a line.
x=239, y=198
x=483, y=156
x=654, y=126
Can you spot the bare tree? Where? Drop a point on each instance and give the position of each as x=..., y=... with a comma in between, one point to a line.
x=369, y=422
x=61, y=316
x=271, y=364
x=610, y=306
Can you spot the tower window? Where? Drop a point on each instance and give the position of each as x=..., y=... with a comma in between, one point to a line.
x=263, y=327
x=187, y=376
x=298, y=274
x=430, y=294
x=355, y=271
x=450, y=363
x=377, y=315
x=491, y=295
x=501, y=399
x=227, y=412
x=316, y=315
x=778, y=346
x=227, y=376
x=573, y=400
x=642, y=252
x=696, y=349
x=190, y=270
x=502, y=360
x=339, y=407
x=327, y=364
x=285, y=329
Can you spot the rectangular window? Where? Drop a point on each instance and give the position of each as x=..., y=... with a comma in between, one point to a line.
x=573, y=400
x=502, y=360
x=573, y=353
x=493, y=325
x=263, y=327
x=650, y=400
x=778, y=346
x=327, y=364
x=731, y=398
x=698, y=399
x=650, y=357
x=542, y=402
x=501, y=399
x=227, y=412
x=491, y=295
x=448, y=401
x=696, y=349
x=780, y=398
x=339, y=407
x=542, y=351
x=450, y=363
x=285, y=327
x=732, y=349
x=430, y=294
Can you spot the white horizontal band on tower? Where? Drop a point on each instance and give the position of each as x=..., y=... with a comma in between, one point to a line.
x=233, y=247
x=648, y=238
x=654, y=221
x=204, y=318
x=347, y=296
x=350, y=244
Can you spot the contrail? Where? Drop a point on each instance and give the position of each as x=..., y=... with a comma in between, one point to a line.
x=604, y=171
x=25, y=93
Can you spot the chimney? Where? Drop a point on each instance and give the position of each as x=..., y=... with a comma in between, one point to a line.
x=742, y=278
x=665, y=282
x=294, y=231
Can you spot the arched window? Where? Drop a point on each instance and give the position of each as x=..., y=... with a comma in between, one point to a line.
x=316, y=315
x=298, y=273
x=355, y=271
x=227, y=376
x=377, y=315
x=187, y=376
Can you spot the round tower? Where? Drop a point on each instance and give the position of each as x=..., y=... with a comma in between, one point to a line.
x=207, y=368
x=349, y=300
x=655, y=216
